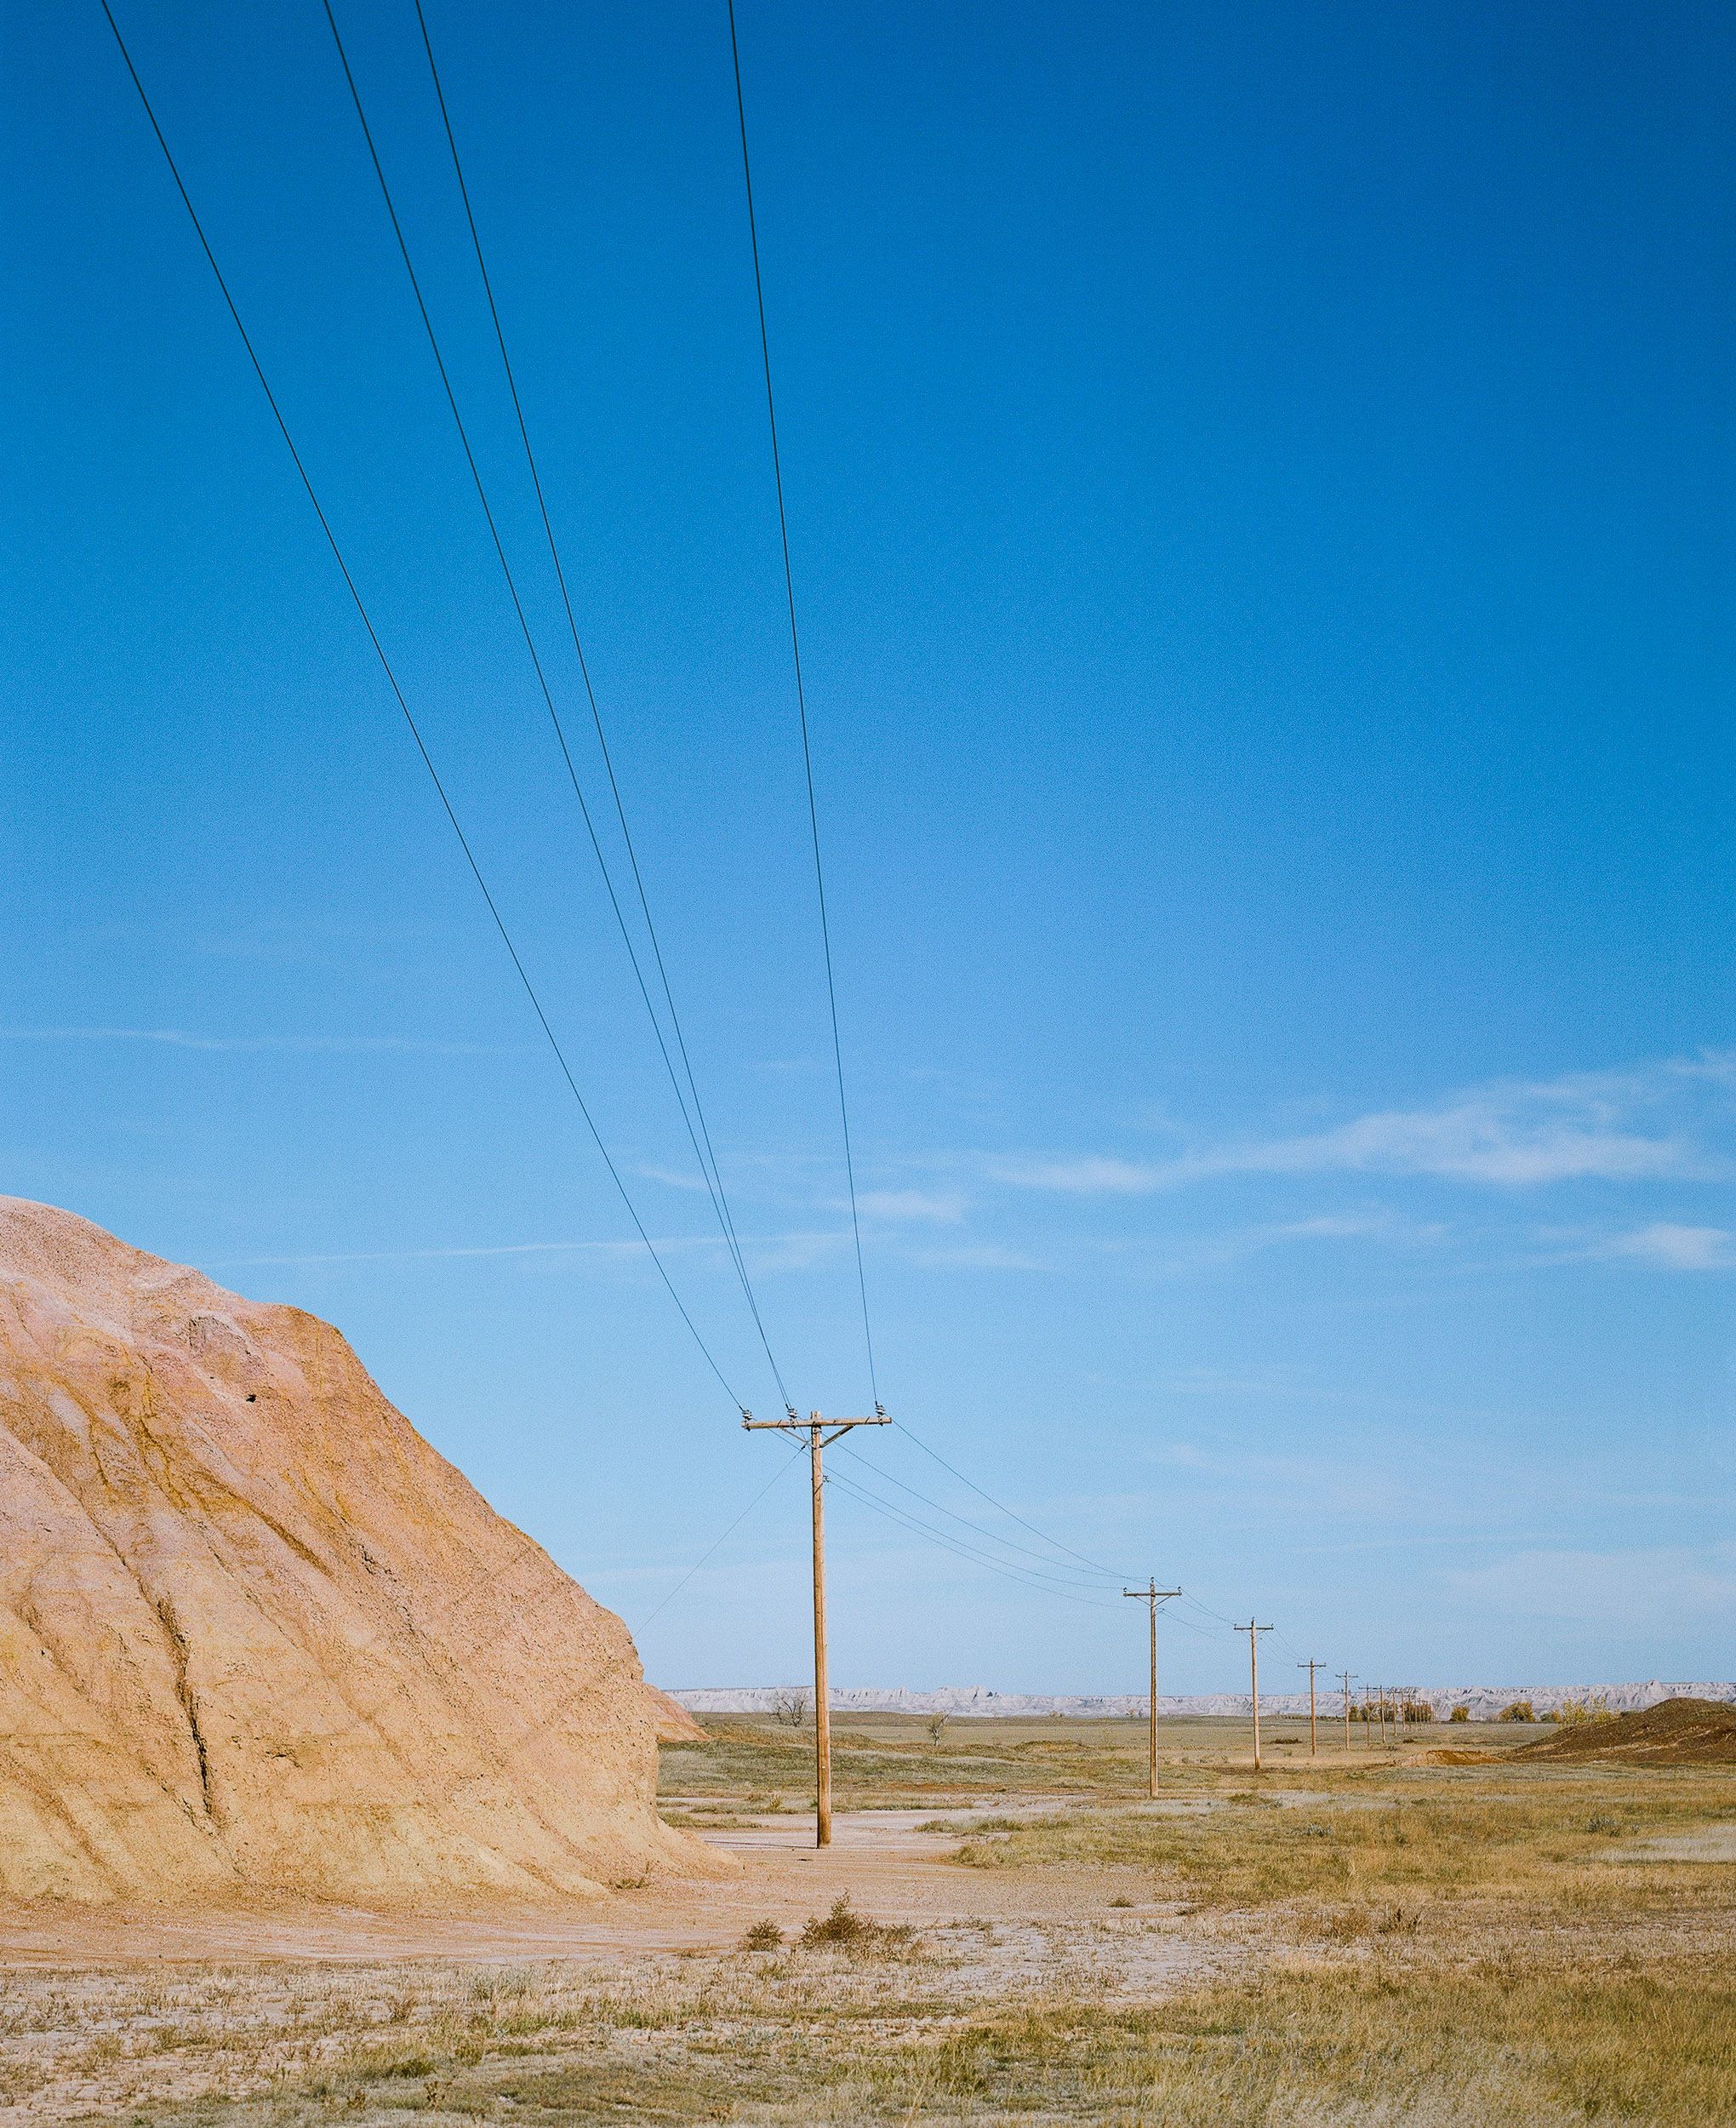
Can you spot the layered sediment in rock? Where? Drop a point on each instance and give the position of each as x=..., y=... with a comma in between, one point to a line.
x=256, y=1636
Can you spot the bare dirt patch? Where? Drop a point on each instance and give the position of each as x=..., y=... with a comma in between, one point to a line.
x=1678, y=1732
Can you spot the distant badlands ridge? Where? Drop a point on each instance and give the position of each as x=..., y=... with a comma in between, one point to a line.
x=1483, y=1703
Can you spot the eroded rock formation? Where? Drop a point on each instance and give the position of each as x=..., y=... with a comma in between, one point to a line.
x=257, y=1636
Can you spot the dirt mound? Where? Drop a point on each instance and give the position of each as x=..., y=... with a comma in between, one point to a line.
x=673, y=1723
x=1679, y=1732
x=256, y=1635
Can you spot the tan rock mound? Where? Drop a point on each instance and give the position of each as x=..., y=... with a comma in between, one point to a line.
x=674, y=1724
x=1677, y=1732
x=256, y=1635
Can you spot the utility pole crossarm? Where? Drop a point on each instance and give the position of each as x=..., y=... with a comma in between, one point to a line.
x=810, y=1425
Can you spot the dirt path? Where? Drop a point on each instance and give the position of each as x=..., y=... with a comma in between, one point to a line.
x=891, y=1872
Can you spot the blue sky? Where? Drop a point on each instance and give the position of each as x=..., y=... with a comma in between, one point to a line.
x=1259, y=495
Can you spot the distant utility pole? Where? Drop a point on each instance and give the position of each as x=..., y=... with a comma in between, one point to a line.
x=1346, y=1675
x=1153, y=1595
x=814, y=1426
x=1253, y=1633
x=1311, y=1665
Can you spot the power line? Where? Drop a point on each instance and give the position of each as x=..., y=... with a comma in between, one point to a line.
x=801, y=703
x=415, y=732
x=782, y=1471
x=947, y=1544
x=1097, y=1565
x=1036, y=1575
x=1008, y=1543
x=542, y=678
x=1176, y=1619
x=720, y=1199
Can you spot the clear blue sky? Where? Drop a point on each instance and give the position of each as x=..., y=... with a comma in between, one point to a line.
x=1260, y=495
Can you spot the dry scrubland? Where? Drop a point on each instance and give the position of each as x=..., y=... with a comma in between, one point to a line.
x=1367, y=1939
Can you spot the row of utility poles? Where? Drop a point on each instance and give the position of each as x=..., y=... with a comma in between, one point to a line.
x=821, y=1433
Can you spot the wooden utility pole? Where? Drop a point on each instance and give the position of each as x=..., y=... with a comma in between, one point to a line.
x=1253, y=1633
x=1346, y=1675
x=1152, y=1595
x=1310, y=1666
x=815, y=1426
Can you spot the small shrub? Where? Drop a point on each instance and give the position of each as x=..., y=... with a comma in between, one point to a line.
x=789, y=1709
x=1571, y=1713
x=1459, y=1714
x=1520, y=1711
x=764, y=1936
x=844, y=1928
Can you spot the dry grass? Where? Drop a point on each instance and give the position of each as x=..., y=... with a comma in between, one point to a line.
x=1418, y=1945
x=1375, y=2040
x=1492, y=1835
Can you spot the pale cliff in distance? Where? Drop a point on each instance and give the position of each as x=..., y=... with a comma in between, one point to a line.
x=256, y=1636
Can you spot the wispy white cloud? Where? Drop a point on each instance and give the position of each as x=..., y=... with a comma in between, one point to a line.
x=672, y=1179
x=986, y=1258
x=413, y=1255
x=1204, y=1252
x=764, y=1252
x=293, y=1044
x=1671, y=1246
x=1616, y=1588
x=945, y=1208
x=1603, y=1127
x=1679, y=1248
x=1089, y=1177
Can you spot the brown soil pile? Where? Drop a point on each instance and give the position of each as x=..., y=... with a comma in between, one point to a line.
x=1678, y=1732
x=674, y=1724
x=256, y=1635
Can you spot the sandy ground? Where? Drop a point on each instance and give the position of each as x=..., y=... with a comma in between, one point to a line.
x=891, y=1872
x=85, y=1992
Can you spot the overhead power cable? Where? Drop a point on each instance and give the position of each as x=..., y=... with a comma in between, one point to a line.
x=712, y=1187
x=415, y=732
x=1097, y=1565
x=1088, y=1576
x=714, y=1178
x=783, y=1468
x=1036, y=1575
x=971, y=1553
x=801, y=703
x=896, y=1514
